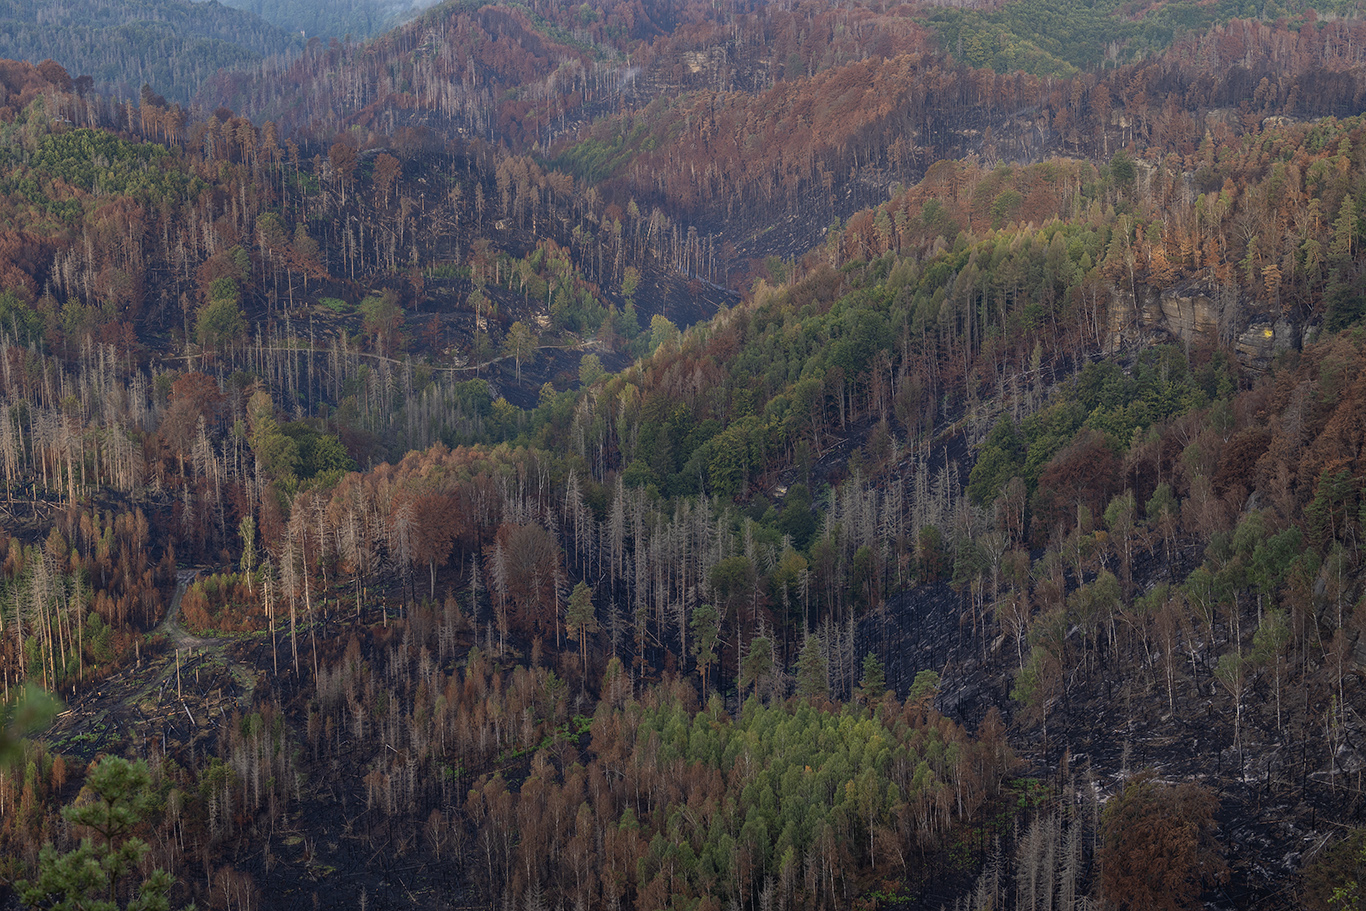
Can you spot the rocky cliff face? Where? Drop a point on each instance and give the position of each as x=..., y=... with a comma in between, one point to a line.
x=1200, y=313
x=1262, y=340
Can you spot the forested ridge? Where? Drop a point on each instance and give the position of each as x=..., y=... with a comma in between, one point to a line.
x=659, y=455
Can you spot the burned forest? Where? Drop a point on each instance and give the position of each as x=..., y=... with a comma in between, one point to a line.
x=655, y=454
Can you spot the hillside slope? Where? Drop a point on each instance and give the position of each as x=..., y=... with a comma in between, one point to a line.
x=537, y=568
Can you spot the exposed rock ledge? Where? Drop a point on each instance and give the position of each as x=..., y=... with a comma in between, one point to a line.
x=1195, y=313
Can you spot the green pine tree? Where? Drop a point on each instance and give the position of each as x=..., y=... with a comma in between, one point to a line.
x=812, y=677
x=706, y=623
x=874, y=682
x=581, y=619
x=100, y=874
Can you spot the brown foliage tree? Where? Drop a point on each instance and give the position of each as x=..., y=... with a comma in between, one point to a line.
x=530, y=563
x=438, y=523
x=193, y=396
x=1158, y=848
x=1086, y=473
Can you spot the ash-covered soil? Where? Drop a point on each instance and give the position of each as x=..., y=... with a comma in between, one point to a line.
x=1284, y=795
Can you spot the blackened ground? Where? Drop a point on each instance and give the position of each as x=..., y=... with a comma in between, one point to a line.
x=1283, y=796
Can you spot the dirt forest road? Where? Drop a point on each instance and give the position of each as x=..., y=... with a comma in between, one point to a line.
x=170, y=624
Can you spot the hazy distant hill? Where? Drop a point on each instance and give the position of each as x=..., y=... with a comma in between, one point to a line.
x=330, y=18
x=173, y=45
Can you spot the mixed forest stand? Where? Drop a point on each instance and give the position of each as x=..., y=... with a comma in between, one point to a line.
x=870, y=589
